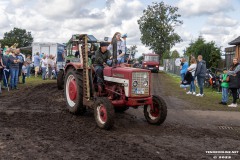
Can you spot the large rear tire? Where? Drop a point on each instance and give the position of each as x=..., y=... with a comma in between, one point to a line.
x=73, y=90
x=60, y=80
x=159, y=113
x=104, y=113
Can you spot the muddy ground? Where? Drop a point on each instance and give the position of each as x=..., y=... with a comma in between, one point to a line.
x=34, y=124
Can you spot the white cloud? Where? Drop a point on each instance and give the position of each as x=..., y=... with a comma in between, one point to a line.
x=57, y=20
x=222, y=20
x=60, y=9
x=4, y=20
x=203, y=7
x=214, y=31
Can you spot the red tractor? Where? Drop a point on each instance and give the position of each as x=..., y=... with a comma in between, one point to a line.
x=151, y=62
x=124, y=87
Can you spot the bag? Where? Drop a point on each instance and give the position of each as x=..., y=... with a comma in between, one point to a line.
x=234, y=81
x=184, y=82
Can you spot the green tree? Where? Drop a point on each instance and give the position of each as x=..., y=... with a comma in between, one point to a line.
x=166, y=55
x=157, y=26
x=132, y=51
x=175, y=54
x=140, y=59
x=210, y=52
x=17, y=35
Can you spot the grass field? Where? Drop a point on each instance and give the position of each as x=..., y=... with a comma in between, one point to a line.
x=208, y=102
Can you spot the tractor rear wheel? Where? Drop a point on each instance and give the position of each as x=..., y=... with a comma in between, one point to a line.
x=60, y=80
x=104, y=113
x=158, y=114
x=73, y=90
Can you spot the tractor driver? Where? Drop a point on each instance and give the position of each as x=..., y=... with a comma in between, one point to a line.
x=101, y=57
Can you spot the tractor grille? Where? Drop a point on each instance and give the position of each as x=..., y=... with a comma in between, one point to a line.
x=138, y=81
x=151, y=66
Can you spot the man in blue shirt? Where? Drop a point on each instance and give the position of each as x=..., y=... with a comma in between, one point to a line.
x=36, y=63
x=21, y=58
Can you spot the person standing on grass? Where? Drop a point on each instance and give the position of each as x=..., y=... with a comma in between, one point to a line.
x=44, y=65
x=224, y=79
x=21, y=58
x=29, y=61
x=24, y=71
x=1, y=71
x=192, y=69
x=234, y=80
x=36, y=63
x=6, y=71
x=14, y=69
x=183, y=67
x=50, y=66
x=200, y=74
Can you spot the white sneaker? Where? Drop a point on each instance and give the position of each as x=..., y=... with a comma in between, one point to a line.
x=199, y=95
x=189, y=92
x=194, y=93
x=232, y=105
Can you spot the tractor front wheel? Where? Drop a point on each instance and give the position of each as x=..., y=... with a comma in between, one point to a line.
x=73, y=90
x=157, y=113
x=104, y=113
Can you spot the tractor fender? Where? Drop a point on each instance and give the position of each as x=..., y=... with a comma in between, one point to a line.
x=73, y=66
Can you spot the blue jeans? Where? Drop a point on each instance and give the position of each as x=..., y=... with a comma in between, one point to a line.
x=184, y=86
x=121, y=60
x=200, y=83
x=44, y=70
x=99, y=73
x=224, y=94
x=14, y=77
x=6, y=77
x=192, y=86
x=182, y=76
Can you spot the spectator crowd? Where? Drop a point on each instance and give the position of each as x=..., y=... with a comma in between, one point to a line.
x=195, y=74
x=14, y=64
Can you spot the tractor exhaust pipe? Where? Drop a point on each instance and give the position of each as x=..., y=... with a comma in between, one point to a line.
x=114, y=47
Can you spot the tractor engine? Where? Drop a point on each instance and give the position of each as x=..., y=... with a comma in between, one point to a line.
x=127, y=86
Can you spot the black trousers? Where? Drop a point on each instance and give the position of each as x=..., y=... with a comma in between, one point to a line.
x=234, y=94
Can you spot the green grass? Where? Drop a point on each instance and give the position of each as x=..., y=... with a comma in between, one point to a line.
x=29, y=83
x=208, y=102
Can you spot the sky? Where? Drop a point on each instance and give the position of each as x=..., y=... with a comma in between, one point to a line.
x=58, y=20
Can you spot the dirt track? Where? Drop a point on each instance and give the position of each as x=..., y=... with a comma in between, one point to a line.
x=34, y=124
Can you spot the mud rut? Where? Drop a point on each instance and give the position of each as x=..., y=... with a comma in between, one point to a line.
x=34, y=124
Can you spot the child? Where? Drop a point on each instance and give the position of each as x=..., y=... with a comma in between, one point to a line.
x=24, y=71
x=224, y=85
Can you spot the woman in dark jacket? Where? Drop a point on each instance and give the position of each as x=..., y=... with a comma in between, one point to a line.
x=234, y=80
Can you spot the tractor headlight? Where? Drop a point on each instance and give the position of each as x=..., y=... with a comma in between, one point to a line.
x=135, y=84
x=145, y=83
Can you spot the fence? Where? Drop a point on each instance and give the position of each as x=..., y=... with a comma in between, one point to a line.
x=169, y=66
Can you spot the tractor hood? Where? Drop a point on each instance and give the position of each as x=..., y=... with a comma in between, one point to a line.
x=121, y=72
